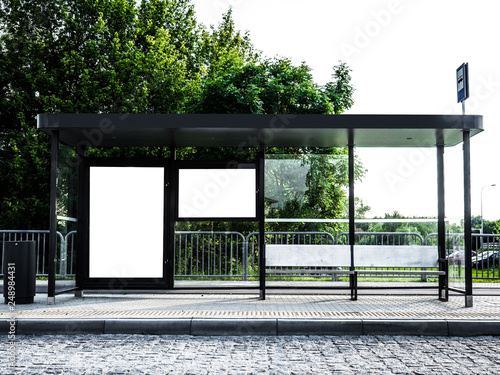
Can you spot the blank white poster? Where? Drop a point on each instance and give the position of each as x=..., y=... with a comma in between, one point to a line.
x=217, y=193
x=126, y=222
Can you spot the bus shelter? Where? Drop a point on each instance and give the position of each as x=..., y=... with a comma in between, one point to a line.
x=121, y=212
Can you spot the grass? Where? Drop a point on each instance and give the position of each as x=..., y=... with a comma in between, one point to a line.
x=478, y=276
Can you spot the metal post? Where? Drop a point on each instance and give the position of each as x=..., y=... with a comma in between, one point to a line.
x=82, y=226
x=443, y=263
x=54, y=161
x=467, y=220
x=352, y=228
x=261, y=218
x=170, y=217
x=244, y=261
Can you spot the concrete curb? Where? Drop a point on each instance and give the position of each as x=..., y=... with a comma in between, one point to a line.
x=234, y=327
x=148, y=326
x=468, y=328
x=406, y=327
x=59, y=326
x=318, y=327
x=255, y=327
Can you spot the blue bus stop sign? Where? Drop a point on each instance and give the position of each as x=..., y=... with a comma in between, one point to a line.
x=462, y=82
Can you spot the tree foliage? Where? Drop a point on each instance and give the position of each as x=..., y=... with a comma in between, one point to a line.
x=121, y=56
x=422, y=228
x=489, y=227
x=274, y=86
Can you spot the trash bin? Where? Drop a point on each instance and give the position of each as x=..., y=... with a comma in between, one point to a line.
x=19, y=267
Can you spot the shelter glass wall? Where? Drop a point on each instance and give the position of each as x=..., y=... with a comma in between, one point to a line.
x=306, y=202
x=222, y=251
x=216, y=229
x=396, y=206
x=306, y=192
x=454, y=202
x=67, y=213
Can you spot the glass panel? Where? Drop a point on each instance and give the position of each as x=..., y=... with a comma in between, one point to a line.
x=225, y=253
x=399, y=183
x=396, y=205
x=67, y=185
x=217, y=193
x=306, y=192
x=306, y=203
x=454, y=209
x=126, y=222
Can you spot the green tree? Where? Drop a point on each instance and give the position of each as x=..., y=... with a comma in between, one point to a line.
x=274, y=86
x=224, y=49
x=492, y=227
x=118, y=56
x=308, y=184
x=80, y=56
x=277, y=86
x=489, y=227
x=422, y=228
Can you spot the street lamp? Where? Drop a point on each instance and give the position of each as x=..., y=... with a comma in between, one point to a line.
x=482, y=204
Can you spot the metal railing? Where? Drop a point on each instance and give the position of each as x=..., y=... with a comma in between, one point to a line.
x=486, y=262
x=211, y=254
x=69, y=258
x=41, y=238
x=233, y=255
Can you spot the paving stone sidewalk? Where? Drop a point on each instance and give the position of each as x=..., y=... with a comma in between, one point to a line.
x=240, y=314
x=250, y=306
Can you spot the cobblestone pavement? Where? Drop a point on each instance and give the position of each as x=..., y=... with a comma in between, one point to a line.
x=138, y=354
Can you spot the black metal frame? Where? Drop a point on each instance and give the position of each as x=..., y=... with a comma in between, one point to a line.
x=174, y=194
x=261, y=218
x=353, y=278
x=86, y=282
x=231, y=130
x=233, y=164
x=443, y=262
x=54, y=163
x=171, y=168
x=169, y=228
x=467, y=220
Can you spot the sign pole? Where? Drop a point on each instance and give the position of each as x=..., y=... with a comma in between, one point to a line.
x=462, y=95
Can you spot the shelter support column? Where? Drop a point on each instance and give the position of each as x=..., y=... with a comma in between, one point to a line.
x=467, y=220
x=443, y=262
x=54, y=164
x=171, y=204
x=352, y=228
x=82, y=241
x=262, y=229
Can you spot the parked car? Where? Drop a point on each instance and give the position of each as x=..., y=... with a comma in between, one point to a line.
x=458, y=255
x=487, y=259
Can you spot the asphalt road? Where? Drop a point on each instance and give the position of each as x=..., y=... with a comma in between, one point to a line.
x=140, y=354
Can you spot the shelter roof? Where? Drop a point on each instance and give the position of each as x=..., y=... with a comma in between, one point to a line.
x=250, y=130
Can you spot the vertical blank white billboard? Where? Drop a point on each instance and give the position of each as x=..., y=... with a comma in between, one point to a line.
x=217, y=193
x=126, y=222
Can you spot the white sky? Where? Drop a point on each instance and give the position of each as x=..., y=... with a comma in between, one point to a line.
x=403, y=55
